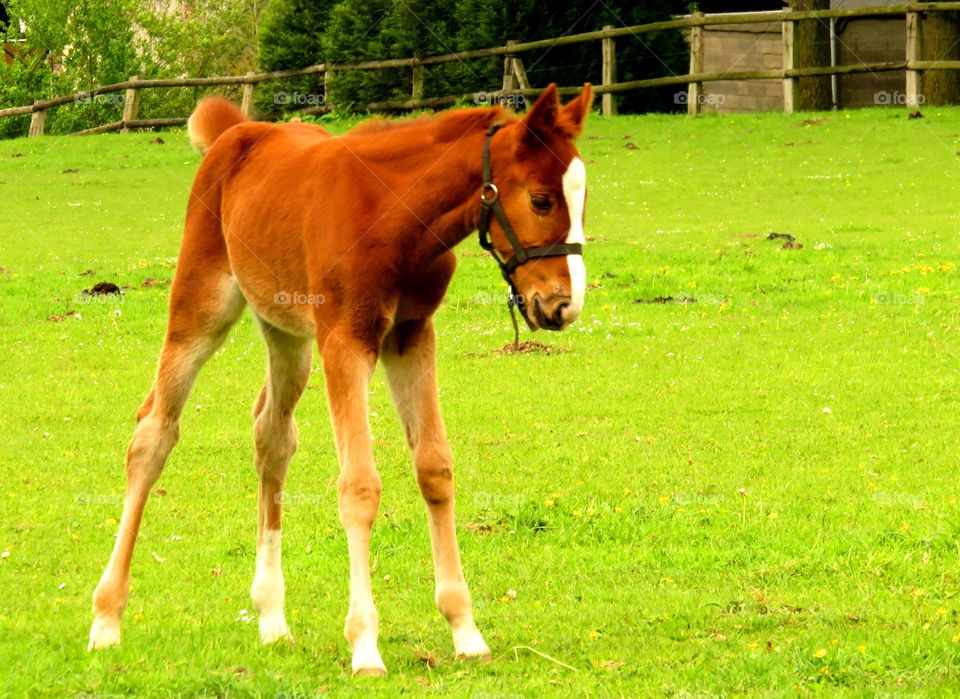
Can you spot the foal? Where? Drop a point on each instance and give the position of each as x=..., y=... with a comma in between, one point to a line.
x=347, y=242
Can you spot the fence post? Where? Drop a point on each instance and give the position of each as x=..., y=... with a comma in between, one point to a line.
x=246, y=103
x=913, y=55
x=131, y=103
x=789, y=83
x=695, y=89
x=416, y=93
x=37, y=122
x=608, y=102
x=520, y=73
x=509, y=75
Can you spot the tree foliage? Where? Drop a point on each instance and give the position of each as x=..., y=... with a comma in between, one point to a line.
x=70, y=46
x=306, y=20
x=358, y=30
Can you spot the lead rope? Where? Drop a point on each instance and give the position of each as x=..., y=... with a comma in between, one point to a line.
x=513, y=316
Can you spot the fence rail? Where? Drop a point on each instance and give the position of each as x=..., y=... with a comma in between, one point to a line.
x=515, y=81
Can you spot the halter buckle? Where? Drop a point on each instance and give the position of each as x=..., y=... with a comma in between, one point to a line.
x=489, y=194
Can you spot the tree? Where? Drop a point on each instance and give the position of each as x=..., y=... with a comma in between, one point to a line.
x=291, y=36
x=485, y=24
x=420, y=28
x=940, y=41
x=355, y=34
x=362, y=30
x=199, y=39
x=71, y=46
x=811, y=45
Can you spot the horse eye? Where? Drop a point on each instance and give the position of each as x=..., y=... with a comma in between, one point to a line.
x=541, y=203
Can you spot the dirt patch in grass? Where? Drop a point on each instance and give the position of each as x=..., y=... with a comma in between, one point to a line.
x=102, y=289
x=528, y=347
x=667, y=299
x=151, y=282
x=60, y=317
x=781, y=236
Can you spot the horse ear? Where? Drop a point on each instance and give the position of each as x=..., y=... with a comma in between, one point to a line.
x=574, y=114
x=543, y=114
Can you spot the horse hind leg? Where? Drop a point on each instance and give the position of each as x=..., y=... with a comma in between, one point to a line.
x=204, y=305
x=275, y=436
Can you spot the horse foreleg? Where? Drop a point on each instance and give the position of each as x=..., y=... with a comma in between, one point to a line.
x=409, y=355
x=348, y=366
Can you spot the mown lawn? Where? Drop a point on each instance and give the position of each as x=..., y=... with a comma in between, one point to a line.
x=753, y=493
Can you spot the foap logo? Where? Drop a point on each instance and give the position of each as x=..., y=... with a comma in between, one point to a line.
x=701, y=499
x=485, y=499
x=111, y=298
x=512, y=100
x=703, y=99
x=483, y=298
x=298, y=298
x=98, y=499
x=287, y=498
x=894, y=298
x=898, y=500
x=896, y=99
x=114, y=99
x=299, y=99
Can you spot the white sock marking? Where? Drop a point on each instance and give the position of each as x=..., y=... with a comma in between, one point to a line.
x=268, y=588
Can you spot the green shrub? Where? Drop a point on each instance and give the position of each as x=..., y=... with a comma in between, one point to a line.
x=74, y=46
x=297, y=33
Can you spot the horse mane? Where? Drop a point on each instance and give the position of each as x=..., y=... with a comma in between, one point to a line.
x=381, y=124
x=446, y=126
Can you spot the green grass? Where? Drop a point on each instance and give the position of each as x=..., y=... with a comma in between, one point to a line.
x=751, y=494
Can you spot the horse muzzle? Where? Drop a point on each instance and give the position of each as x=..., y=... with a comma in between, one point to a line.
x=554, y=313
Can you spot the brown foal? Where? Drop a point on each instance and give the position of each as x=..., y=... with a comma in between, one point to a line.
x=347, y=242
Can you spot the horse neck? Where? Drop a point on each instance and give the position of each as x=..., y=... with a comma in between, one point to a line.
x=444, y=200
x=454, y=188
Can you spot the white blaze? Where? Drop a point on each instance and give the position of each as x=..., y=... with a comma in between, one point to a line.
x=575, y=193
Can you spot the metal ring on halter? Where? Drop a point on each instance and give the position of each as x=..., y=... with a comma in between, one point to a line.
x=493, y=190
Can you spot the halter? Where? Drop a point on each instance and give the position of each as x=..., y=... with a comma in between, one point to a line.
x=490, y=198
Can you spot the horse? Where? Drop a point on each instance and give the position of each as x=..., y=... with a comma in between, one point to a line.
x=348, y=242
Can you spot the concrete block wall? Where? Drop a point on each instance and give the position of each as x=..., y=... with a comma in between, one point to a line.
x=739, y=47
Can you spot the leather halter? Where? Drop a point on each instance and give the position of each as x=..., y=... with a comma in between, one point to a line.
x=490, y=198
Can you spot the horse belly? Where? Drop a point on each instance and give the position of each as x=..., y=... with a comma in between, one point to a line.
x=270, y=268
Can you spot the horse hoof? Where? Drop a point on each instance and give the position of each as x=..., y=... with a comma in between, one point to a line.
x=104, y=633
x=470, y=645
x=370, y=672
x=476, y=658
x=274, y=629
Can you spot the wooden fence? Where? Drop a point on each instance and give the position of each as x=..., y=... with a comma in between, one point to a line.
x=515, y=80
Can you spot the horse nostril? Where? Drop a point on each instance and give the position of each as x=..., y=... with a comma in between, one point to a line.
x=558, y=313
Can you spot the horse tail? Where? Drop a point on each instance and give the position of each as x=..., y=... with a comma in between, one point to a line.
x=210, y=119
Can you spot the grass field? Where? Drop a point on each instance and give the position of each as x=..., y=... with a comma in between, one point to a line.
x=755, y=493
